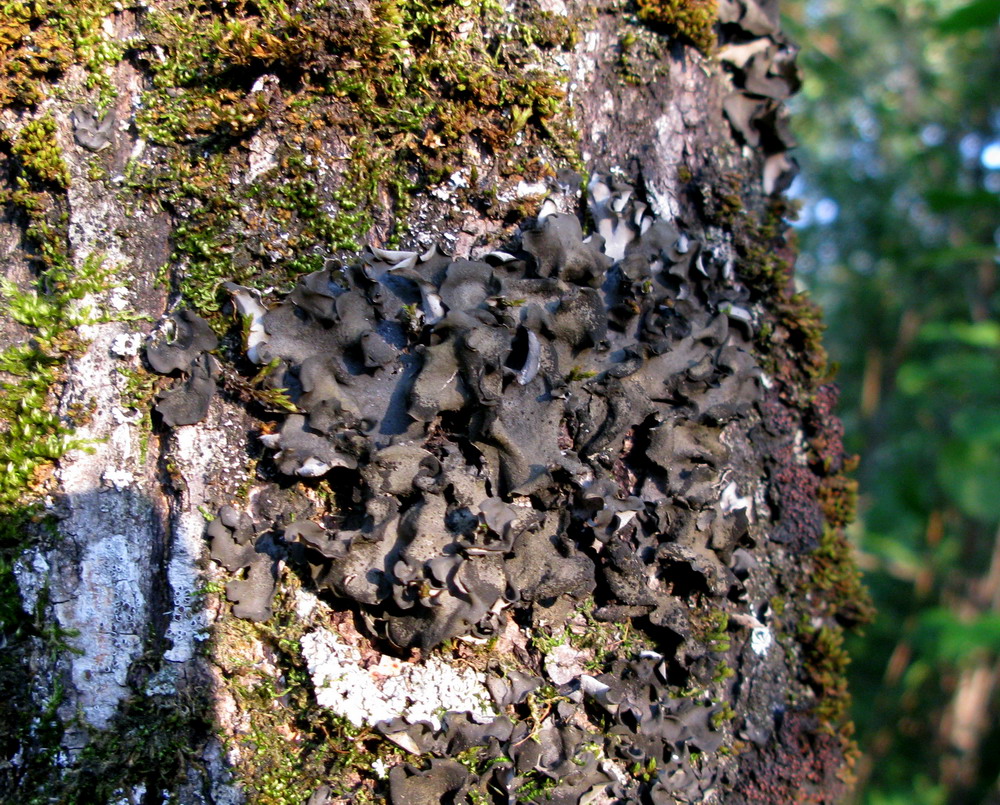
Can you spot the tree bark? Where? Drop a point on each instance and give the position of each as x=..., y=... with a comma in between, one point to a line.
x=663, y=618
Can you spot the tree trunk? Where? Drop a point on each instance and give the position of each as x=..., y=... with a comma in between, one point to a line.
x=535, y=514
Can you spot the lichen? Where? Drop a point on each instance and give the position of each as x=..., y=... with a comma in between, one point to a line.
x=281, y=137
x=431, y=554
x=365, y=694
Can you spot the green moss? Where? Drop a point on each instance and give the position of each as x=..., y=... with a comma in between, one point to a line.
x=789, y=342
x=150, y=742
x=828, y=589
x=35, y=435
x=576, y=374
x=712, y=628
x=33, y=438
x=536, y=787
x=723, y=715
x=411, y=92
x=693, y=20
x=607, y=641
x=825, y=664
x=40, y=154
x=544, y=641
x=836, y=574
x=32, y=729
x=40, y=39
x=140, y=388
x=838, y=497
x=645, y=772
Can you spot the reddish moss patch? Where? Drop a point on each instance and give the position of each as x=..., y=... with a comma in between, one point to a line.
x=804, y=764
x=793, y=492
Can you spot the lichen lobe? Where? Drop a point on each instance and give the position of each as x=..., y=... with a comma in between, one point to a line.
x=514, y=437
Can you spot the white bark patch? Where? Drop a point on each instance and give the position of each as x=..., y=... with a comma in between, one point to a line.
x=104, y=596
x=760, y=640
x=392, y=687
x=110, y=609
x=263, y=156
x=525, y=189
x=119, y=479
x=126, y=345
x=557, y=7
x=32, y=572
x=195, y=448
x=731, y=501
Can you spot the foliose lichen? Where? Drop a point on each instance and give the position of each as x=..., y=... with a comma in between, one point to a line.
x=511, y=437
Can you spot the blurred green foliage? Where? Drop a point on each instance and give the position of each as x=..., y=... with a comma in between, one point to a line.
x=899, y=120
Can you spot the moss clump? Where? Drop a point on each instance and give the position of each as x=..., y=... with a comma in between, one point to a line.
x=826, y=596
x=825, y=662
x=606, y=641
x=836, y=574
x=27, y=728
x=364, y=111
x=711, y=628
x=693, y=20
x=39, y=153
x=40, y=39
x=150, y=742
x=790, y=339
x=838, y=497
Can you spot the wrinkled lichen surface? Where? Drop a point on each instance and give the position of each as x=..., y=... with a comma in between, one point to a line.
x=515, y=439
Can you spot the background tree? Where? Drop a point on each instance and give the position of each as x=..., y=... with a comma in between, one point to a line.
x=604, y=496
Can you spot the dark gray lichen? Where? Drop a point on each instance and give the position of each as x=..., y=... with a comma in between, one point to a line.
x=91, y=130
x=540, y=426
x=491, y=447
x=765, y=75
x=186, y=352
x=235, y=546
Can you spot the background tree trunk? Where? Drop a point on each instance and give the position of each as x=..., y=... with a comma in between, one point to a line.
x=151, y=152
